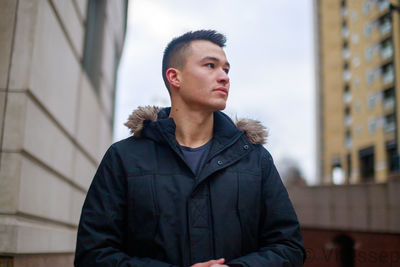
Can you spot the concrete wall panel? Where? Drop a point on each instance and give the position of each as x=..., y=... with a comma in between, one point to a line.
x=7, y=17
x=340, y=218
x=25, y=35
x=46, y=141
x=84, y=170
x=8, y=232
x=82, y=7
x=108, y=65
x=14, y=121
x=322, y=207
x=55, y=77
x=47, y=239
x=2, y=104
x=88, y=120
x=377, y=199
x=9, y=181
x=72, y=23
x=43, y=194
x=358, y=207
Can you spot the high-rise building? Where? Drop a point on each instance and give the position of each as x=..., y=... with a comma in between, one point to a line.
x=58, y=65
x=358, y=89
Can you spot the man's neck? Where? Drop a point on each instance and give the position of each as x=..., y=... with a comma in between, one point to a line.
x=193, y=128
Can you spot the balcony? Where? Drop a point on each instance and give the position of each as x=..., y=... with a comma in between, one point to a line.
x=383, y=5
x=348, y=143
x=347, y=97
x=385, y=26
x=388, y=75
x=390, y=127
x=348, y=120
x=344, y=11
x=346, y=53
x=346, y=75
x=386, y=50
x=389, y=103
x=345, y=32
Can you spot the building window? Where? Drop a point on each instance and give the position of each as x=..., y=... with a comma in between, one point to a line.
x=387, y=73
x=347, y=117
x=92, y=56
x=383, y=4
x=371, y=126
x=356, y=82
x=348, y=161
x=345, y=30
x=356, y=61
x=346, y=72
x=354, y=38
x=388, y=98
x=386, y=48
x=373, y=74
x=347, y=94
x=348, y=141
x=385, y=26
x=367, y=161
x=357, y=106
x=358, y=130
x=391, y=155
x=374, y=99
x=366, y=7
x=343, y=9
x=390, y=123
x=345, y=50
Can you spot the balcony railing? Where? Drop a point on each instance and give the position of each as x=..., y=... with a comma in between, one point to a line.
x=388, y=75
x=390, y=127
x=347, y=97
x=348, y=120
x=389, y=103
x=383, y=5
x=386, y=51
x=345, y=32
x=346, y=53
x=346, y=75
x=385, y=26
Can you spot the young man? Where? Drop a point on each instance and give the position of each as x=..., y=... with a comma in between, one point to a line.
x=189, y=188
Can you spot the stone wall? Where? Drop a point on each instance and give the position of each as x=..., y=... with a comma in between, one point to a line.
x=55, y=126
x=359, y=207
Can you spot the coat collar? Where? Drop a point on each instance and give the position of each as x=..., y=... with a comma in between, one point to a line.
x=152, y=117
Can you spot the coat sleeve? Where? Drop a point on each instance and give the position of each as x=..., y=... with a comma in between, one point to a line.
x=280, y=240
x=100, y=240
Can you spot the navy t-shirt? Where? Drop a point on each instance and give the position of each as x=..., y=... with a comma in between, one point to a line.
x=196, y=157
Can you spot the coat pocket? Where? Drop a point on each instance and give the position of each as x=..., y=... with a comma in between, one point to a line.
x=249, y=201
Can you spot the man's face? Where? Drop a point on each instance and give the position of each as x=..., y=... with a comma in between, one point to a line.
x=204, y=81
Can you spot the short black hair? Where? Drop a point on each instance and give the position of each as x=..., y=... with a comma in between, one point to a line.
x=174, y=52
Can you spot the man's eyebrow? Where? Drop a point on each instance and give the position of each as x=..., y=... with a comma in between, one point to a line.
x=215, y=59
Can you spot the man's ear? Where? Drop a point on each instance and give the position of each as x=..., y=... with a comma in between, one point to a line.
x=172, y=75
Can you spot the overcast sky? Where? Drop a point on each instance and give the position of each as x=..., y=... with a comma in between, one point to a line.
x=269, y=47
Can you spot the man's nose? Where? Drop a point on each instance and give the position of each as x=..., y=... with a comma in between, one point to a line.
x=223, y=77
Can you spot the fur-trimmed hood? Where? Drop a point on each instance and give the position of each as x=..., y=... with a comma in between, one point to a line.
x=254, y=130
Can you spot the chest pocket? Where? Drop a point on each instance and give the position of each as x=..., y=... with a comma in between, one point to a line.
x=142, y=208
x=249, y=207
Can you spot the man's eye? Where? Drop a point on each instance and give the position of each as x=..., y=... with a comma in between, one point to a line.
x=210, y=65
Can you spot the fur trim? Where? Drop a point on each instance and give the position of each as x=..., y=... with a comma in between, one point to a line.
x=138, y=116
x=254, y=130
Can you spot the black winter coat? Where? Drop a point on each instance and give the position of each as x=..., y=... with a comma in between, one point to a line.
x=145, y=207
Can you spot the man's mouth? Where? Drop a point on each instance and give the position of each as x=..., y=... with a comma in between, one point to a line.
x=222, y=90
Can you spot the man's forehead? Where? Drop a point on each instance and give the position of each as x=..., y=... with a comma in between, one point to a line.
x=204, y=48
